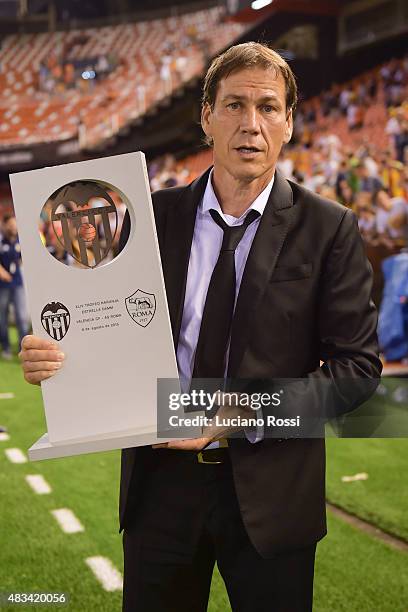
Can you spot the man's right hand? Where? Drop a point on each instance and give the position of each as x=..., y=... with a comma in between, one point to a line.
x=40, y=359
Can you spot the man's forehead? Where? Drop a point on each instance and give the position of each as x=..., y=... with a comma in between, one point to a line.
x=265, y=79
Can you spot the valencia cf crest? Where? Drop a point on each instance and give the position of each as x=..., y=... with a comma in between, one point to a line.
x=141, y=307
x=84, y=229
x=55, y=319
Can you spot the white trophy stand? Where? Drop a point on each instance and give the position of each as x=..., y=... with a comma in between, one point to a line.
x=119, y=339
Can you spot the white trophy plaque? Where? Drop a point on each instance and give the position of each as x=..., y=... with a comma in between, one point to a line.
x=106, y=309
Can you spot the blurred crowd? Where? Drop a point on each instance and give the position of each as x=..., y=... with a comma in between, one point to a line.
x=350, y=144
x=370, y=182
x=59, y=73
x=369, y=177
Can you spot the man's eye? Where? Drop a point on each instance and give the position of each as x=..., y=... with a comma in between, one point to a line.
x=233, y=105
x=268, y=108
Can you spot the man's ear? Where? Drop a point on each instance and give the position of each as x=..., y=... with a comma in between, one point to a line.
x=206, y=114
x=288, y=127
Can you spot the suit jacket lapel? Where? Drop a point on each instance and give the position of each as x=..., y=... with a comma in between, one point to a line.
x=261, y=262
x=178, y=238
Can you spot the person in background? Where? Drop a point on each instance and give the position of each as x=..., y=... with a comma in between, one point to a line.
x=367, y=182
x=366, y=223
x=391, y=217
x=11, y=285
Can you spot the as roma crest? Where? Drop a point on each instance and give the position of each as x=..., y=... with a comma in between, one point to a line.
x=55, y=319
x=141, y=307
x=81, y=221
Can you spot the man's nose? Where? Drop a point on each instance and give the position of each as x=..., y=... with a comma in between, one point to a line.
x=250, y=121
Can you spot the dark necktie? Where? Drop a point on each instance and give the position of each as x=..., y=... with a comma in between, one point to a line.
x=210, y=357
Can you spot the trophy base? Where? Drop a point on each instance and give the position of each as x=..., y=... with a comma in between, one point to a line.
x=44, y=449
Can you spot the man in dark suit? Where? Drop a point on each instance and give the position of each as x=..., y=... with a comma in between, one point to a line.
x=300, y=296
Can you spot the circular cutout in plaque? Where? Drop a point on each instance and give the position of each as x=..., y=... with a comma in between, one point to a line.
x=81, y=223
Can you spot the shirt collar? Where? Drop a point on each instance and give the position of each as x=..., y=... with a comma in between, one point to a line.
x=210, y=200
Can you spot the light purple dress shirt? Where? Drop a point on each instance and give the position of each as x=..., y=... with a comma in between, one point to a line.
x=206, y=245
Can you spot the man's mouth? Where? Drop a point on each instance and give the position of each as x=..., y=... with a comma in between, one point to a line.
x=249, y=149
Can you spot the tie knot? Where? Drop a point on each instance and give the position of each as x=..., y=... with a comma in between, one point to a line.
x=233, y=233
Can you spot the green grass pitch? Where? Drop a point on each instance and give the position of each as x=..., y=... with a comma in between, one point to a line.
x=354, y=572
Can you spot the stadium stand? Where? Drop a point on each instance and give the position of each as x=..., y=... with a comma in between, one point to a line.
x=329, y=154
x=48, y=84
x=350, y=142
x=356, y=158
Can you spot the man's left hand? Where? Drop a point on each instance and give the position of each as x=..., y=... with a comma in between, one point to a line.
x=196, y=444
x=212, y=433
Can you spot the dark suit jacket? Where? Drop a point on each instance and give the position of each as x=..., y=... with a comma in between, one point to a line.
x=304, y=297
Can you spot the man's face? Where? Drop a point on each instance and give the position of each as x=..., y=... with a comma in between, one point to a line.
x=10, y=229
x=383, y=200
x=362, y=171
x=249, y=123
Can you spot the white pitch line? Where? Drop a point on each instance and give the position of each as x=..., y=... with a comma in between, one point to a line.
x=38, y=484
x=6, y=396
x=103, y=570
x=15, y=455
x=4, y=436
x=67, y=520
